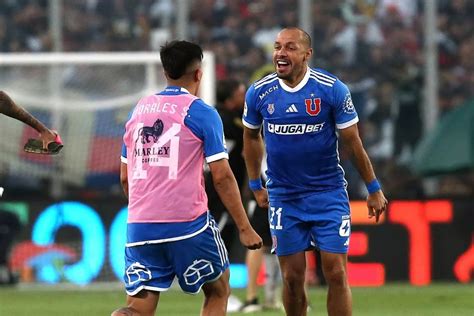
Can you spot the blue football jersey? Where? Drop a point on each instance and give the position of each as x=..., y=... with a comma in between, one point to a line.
x=299, y=127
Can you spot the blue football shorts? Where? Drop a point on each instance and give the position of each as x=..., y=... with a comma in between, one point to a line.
x=321, y=220
x=194, y=261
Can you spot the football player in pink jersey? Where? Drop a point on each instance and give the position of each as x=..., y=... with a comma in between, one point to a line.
x=170, y=232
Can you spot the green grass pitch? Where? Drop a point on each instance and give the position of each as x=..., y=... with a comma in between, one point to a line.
x=393, y=299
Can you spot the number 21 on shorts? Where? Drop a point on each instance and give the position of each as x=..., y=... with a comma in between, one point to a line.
x=275, y=215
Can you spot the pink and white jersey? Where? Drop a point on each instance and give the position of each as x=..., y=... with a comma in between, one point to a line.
x=164, y=162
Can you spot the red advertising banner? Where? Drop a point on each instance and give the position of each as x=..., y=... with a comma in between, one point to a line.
x=82, y=242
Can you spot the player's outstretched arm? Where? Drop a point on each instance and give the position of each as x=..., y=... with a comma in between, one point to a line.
x=376, y=201
x=226, y=187
x=253, y=154
x=11, y=109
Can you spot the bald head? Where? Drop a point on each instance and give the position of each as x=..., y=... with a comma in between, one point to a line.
x=291, y=54
x=303, y=35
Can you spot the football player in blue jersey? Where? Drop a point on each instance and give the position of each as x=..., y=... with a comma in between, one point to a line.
x=303, y=112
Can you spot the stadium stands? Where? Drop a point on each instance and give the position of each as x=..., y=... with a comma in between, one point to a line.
x=375, y=46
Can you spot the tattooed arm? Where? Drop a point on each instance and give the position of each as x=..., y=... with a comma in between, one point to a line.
x=11, y=109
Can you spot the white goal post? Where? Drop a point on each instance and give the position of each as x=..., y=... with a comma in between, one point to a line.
x=207, y=89
x=87, y=97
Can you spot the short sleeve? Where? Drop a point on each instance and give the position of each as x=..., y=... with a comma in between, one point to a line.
x=251, y=117
x=344, y=111
x=123, y=157
x=204, y=121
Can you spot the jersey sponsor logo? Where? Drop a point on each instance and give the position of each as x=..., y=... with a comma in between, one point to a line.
x=271, y=108
x=313, y=106
x=137, y=272
x=198, y=270
x=348, y=106
x=294, y=129
x=154, y=132
x=292, y=109
x=169, y=160
x=268, y=91
x=157, y=151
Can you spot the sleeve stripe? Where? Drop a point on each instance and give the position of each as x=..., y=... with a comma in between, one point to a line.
x=219, y=156
x=251, y=126
x=348, y=123
x=320, y=74
x=321, y=81
x=123, y=159
x=265, y=82
x=265, y=78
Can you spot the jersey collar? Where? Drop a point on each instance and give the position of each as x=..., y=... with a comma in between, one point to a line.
x=299, y=86
x=170, y=90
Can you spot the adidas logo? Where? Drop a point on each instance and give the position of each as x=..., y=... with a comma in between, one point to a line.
x=292, y=109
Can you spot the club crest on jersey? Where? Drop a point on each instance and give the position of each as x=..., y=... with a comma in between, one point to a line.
x=271, y=108
x=313, y=106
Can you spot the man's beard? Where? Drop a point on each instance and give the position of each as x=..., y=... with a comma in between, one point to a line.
x=284, y=76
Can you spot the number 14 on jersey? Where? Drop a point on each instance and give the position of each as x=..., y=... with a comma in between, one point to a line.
x=154, y=160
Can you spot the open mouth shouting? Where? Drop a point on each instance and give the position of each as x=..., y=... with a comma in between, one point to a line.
x=282, y=66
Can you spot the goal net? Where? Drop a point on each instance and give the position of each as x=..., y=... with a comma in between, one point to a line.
x=87, y=98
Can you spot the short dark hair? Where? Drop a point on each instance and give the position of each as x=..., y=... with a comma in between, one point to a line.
x=225, y=89
x=178, y=56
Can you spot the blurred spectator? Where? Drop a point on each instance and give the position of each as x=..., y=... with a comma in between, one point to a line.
x=379, y=127
x=460, y=185
x=230, y=102
x=376, y=46
x=408, y=122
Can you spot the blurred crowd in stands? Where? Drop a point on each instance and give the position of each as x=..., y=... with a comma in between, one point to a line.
x=375, y=46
